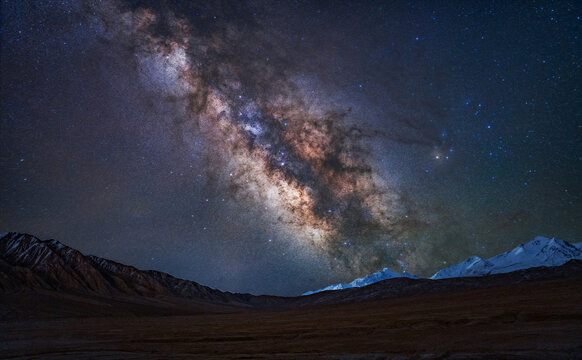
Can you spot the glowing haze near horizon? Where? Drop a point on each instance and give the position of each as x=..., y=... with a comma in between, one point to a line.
x=277, y=147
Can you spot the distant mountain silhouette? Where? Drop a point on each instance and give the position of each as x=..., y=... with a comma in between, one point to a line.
x=541, y=251
x=40, y=279
x=28, y=262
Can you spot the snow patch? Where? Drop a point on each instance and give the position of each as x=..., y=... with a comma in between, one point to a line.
x=541, y=251
x=383, y=274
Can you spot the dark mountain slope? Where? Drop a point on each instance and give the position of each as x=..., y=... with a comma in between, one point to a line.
x=51, y=269
x=44, y=279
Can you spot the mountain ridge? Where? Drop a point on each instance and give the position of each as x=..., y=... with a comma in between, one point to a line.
x=540, y=251
x=508, y=261
x=42, y=279
x=29, y=262
x=384, y=274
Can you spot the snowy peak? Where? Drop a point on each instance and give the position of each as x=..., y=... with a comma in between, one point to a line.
x=473, y=266
x=541, y=251
x=383, y=274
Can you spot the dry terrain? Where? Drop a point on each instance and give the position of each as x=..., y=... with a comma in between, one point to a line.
x=533, y=320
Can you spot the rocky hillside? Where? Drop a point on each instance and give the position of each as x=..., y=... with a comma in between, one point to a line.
x=28, y=262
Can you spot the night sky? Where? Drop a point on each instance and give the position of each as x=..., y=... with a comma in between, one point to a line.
x=280, y=146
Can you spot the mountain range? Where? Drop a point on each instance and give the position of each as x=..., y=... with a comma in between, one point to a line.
x=45, y=278
x=541, y=251
x=57, y=303
x=27, y=262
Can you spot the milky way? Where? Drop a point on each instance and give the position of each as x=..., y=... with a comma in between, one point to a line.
x=298, y=159
x=277, y=147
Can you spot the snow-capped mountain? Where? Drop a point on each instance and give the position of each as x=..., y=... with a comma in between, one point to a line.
x=27, y=262
x=541, y=251
x=383, y=274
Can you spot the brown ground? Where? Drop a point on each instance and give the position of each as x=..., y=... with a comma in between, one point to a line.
x=527, y=320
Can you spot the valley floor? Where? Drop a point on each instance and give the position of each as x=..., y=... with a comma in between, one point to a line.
x=530, y=320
